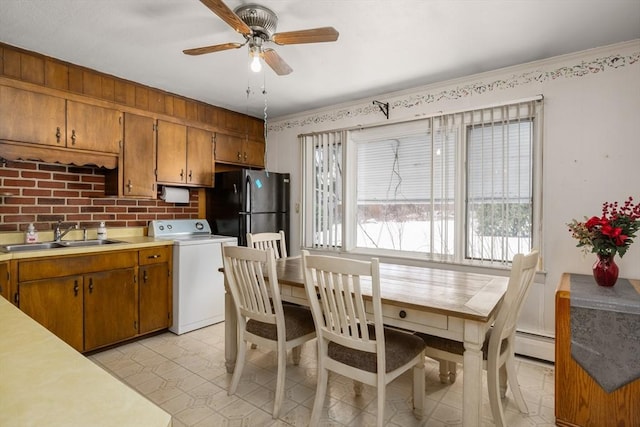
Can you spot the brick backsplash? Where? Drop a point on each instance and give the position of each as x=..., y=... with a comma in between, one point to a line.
x=43, y=194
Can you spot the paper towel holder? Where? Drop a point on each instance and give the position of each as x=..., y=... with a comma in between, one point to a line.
x=174, y=194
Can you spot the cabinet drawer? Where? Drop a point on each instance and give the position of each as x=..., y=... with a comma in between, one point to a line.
x=154, y=255
x=53, y=266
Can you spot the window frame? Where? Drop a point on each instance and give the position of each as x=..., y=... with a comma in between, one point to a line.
x=349, y=175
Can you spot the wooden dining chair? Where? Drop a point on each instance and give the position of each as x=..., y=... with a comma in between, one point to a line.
x=498, y=349
x=352, y=342
x=262, y=318
x=275, y=241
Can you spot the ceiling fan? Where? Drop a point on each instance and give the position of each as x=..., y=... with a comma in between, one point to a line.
x=258, y=25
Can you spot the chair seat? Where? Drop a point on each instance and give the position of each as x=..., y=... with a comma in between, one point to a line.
x=457, y=347
x=298, y=322
x=400, y=348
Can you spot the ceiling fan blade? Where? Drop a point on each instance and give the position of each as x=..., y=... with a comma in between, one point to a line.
x=276, y=63
x=211, y=49
x=227, y=15
x=314, y=35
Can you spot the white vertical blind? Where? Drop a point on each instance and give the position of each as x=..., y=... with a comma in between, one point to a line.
x=499, y=208
x=325, y=183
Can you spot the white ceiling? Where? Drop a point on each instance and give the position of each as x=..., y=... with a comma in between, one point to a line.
x=384, y=45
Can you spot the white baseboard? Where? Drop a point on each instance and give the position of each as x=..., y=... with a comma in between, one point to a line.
x=537, y=346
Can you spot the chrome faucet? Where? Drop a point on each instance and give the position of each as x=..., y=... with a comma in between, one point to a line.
x=58, y=235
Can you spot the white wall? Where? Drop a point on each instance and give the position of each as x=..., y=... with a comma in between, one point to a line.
x=591, y=145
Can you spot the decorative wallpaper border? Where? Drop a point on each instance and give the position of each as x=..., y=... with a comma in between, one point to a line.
x=582, y=69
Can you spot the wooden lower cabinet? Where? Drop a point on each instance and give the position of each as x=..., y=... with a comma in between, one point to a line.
x=155, y=289
x=4, y=280
x=110, y=309
x=579, y=400
x=57, y=304
x=92, y=301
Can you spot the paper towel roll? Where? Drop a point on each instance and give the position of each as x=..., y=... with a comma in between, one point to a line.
x=175, y=195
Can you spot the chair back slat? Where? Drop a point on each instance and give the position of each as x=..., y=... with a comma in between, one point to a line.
x=337, y=301
x=253, y=295
x=523, y=271
x=275, y=241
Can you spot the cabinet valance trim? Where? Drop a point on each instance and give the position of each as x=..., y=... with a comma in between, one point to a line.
x=67, y=156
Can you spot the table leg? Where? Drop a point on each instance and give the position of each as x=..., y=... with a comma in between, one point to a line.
x=472, y=385
x=230, y=331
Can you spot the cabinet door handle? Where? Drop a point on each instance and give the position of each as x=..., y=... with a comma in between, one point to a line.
x=153, y=256
x=58, y=134
x=129, y=186
x=90, y=286
x=76, y=288
x=190, y=175
x=239, y=156
x=73, y=137
x=181, y=174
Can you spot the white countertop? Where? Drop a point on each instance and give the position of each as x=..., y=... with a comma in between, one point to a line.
x=45, y=382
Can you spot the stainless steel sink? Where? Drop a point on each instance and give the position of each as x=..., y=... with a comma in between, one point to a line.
x=80, y=243
x=29, y=246
x=54, y=245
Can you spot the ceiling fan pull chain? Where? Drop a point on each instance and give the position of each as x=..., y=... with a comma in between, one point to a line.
x=264, y=93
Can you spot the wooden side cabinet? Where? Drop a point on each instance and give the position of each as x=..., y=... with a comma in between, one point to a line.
x=155, y=279
x=4, y=280
x=579, y=400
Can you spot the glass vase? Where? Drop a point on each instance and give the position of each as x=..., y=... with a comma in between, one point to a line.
x=605, y=270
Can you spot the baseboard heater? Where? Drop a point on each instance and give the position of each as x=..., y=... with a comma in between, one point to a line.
x=535, y=345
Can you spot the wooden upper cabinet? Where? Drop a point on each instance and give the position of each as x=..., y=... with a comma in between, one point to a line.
x=39, y=118
x=139, y=156
x=32, y=117
x=199, y=157
x=171, y=152
x=228, y=148
x=254, y=152
x=239, y=150
x=185, y=155
x=94, y=128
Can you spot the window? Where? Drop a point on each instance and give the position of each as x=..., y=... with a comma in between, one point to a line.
x=457, y=187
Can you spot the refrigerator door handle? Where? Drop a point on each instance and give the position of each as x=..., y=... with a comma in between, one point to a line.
x=248, y=200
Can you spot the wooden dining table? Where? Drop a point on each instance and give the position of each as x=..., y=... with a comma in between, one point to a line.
x=451, y=304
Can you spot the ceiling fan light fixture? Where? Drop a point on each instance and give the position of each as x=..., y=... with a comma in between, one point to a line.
x=256, y=66
x=255, y=52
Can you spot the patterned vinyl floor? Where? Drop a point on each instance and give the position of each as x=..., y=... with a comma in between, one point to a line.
x=186, y=376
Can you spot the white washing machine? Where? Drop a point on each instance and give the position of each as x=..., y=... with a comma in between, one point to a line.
x=198, y=284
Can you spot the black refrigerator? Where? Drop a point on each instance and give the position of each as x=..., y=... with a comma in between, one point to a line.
x=248, y=201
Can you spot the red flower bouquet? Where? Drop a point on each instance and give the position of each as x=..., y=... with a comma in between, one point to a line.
x=611, y=233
